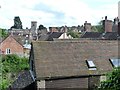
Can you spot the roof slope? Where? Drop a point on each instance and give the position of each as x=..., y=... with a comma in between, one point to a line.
x=55, y=34
x=68, y=58
x=110, y=35
x=24, y=80
x=91, y=35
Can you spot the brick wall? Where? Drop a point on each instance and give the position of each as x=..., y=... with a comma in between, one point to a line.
x=13, y=45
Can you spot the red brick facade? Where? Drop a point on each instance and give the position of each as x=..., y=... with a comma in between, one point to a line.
x=11, y=46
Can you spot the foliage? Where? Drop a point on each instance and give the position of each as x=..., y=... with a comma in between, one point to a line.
x=41, y=27
x=113, y=81
x=11, y=66
x=74, y=34
x=98, y=28
x=3, y=33
x=17, y=23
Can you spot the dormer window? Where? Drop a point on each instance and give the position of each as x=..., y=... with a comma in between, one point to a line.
x=91, y=65
x=115, y=62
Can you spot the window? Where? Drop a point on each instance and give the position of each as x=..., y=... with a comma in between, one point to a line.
x=91, y=65
x=8, y=51
x=115, y=62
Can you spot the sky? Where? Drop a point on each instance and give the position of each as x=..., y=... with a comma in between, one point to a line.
x=56, y=12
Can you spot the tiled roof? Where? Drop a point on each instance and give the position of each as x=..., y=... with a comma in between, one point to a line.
x=68, y=58
x=55, y=34
x=23, y=81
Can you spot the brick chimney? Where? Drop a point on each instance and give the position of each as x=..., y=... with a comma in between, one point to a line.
x=107, y=25
x=87, y=26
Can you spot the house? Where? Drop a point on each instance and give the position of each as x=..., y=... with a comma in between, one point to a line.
x=78, y=64
x=11, y=46
x=15, y=45
x=98, y=35
x=58, y=35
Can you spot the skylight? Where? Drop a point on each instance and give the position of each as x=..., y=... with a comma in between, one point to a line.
x=115, y=62
x=91, y=65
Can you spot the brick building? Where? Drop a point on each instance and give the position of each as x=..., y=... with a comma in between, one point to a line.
x=70, y=64
x=11, y=46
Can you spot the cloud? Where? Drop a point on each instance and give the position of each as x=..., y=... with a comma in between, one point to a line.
x=56, y=12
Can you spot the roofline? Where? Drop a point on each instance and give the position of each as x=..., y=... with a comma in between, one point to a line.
x=67, y=77
x=13, y=38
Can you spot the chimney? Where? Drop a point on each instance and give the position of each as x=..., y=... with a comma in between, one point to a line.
x=116, y=20
x=105, y=17
x=85, y=21
x=119, y=29
x=107, y=25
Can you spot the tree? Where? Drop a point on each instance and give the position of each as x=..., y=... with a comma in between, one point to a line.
x=11, y=66
x=74, y=34
x=41, y=27
x=98, y=28
x=17, y=23
x=3, y=33
x=113, y=81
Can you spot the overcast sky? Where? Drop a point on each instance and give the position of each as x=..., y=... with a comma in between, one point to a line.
x=56, y=12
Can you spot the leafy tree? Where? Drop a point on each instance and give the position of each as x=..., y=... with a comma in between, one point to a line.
x=11, y=66
x=113, y=81
x=17, y=23
x=74, y=34
x=41, y=27
x=3, y=33
x=98, y=28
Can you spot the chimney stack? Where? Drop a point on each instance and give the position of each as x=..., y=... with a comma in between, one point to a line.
x=119, y=29
x=105, y=17
x=107, y=25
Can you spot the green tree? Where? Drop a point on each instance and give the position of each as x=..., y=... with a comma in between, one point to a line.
x=11, y=66
x=98, y=28
x=41, y=27
x=3, y=33
x=113, y=81
x=17, y=23
x=74, y=34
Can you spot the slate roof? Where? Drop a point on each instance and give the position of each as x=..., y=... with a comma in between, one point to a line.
x=43, y=37
x=24, y=80
x=55, y=34
x=110, y=35
x=91, y=35
x=97, y=35
x=68, y=58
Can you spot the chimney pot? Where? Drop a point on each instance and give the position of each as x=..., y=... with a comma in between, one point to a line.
x=105, y=17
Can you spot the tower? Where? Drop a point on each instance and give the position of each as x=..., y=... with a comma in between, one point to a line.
x=33, y=25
